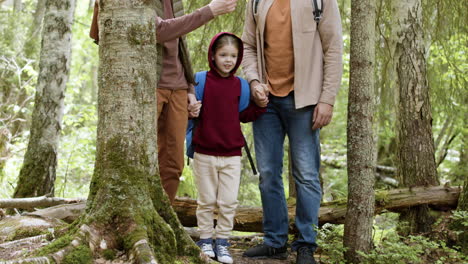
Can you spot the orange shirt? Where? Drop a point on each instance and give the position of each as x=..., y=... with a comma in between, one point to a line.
x=279, y=53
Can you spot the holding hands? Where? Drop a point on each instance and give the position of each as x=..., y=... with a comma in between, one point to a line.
x=259, y=92
x=219, y=7
x=194, y=106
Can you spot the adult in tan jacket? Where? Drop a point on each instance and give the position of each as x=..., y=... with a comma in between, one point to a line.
x=294, y=66
x=175, y=87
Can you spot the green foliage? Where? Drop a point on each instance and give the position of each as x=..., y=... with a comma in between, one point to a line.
x=390, y=248
x=461, y=217
x=330, y=241
x=109, y=254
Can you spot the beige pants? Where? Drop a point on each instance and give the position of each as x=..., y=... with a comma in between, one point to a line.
x=217, y=180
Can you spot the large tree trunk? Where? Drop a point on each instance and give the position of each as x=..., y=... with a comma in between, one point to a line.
x=361, y=149
x=416, y=160
x=37, y=176
x=127, y=207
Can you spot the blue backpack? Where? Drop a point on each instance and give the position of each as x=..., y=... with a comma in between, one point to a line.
x=200, y=79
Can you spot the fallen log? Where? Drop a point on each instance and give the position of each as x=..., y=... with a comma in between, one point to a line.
x=34, y=202
x=249, y=219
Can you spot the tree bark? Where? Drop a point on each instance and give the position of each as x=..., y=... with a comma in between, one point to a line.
x=34, y=202
x=415, y=141
x=37, y=176
x=361, y=149
x=127, y=207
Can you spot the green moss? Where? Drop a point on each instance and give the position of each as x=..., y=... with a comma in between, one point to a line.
x=382, y=198
x=26, y=232
x=55, y=246
x=141, y=34
x=79, y=255
x=108, y=254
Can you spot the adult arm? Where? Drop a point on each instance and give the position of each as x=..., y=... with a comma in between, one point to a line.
x=259, y=91
x=168, y=29
x=332, y=45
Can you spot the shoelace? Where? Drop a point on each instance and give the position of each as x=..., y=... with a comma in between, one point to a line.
x=223, y=251
x=206, y=247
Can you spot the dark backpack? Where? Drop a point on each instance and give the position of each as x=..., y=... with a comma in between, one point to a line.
x=317, y=9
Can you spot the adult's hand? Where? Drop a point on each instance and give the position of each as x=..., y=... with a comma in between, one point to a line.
x=259, y=92
x=219, y=7
x=322, y=115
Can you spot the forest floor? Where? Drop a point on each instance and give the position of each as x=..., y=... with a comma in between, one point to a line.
x=24, y=249
x=237, y=249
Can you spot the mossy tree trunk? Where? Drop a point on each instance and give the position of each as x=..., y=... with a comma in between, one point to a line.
x=37, y=175
x=127, y=207
x=416, y=160
x=361, y=149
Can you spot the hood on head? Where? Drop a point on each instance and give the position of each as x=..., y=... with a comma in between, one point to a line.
x=211, y=53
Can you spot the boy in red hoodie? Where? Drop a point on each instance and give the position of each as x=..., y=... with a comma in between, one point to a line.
x=218, y=141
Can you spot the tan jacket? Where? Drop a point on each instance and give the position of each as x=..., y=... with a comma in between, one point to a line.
x=317, y=53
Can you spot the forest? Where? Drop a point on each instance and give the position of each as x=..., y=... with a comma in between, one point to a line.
x=79, y=181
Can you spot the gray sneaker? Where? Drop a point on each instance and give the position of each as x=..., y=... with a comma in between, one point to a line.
x=206, y=246
x=222, y=251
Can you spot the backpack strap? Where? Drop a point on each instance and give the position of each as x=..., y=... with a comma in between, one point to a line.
x=200, y=80
x=245, y=94
x=317, y=10
x=255, y=8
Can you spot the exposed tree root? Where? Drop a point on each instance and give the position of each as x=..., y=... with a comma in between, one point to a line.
x=38, y=260
x=24, y=241
x=143, y=254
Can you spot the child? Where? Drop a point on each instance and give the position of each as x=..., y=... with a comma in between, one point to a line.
x=218, y=141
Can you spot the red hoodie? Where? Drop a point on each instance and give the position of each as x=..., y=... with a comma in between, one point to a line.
x=218, y=131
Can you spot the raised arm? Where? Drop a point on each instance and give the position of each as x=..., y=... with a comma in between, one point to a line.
x=168, y=29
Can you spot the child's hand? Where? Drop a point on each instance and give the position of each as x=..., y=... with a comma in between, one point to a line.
x=194, y=109
x=194, y=106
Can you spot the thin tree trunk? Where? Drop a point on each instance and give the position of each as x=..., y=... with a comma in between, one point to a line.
x=17, y=5
x=37, y=176
x=361, y=149
x=30, y=46
x=416, y=160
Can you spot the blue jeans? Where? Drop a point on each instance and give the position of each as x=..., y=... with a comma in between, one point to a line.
x=280, y=119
